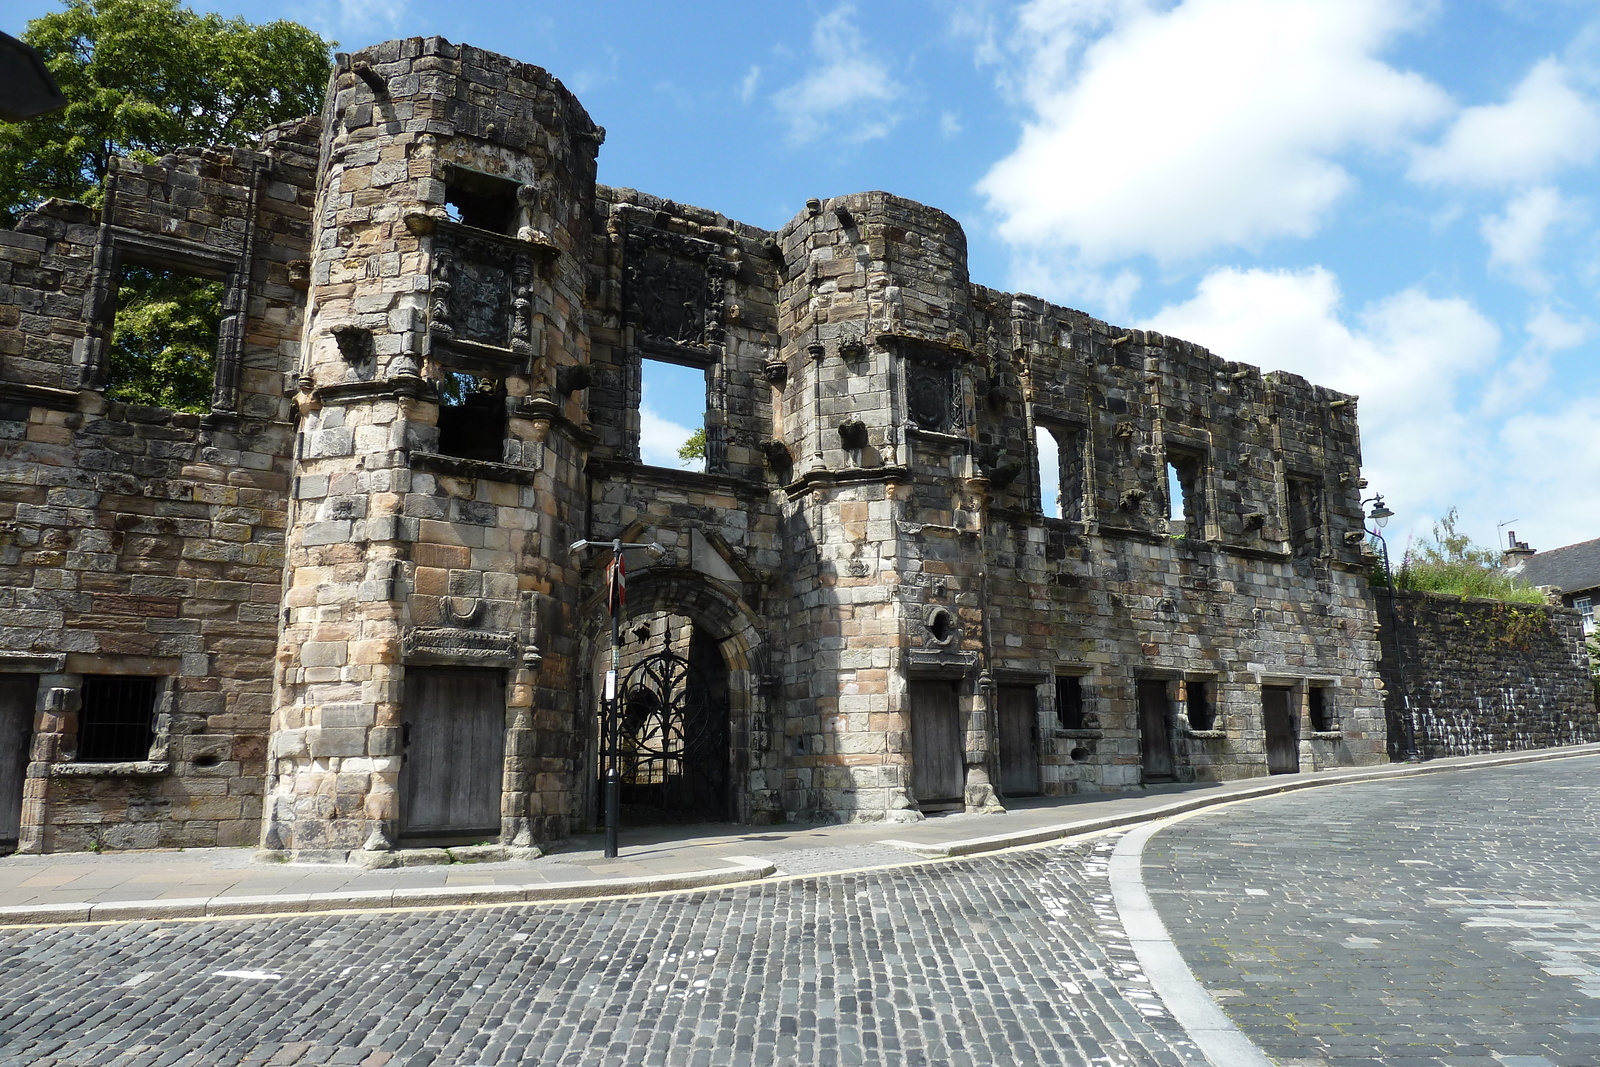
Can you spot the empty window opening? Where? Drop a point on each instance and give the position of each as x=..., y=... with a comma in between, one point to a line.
x=1049, y=450
x=481, y=200
x=1069, y=701
x=116, y=718
x=1199, y=707
x=672, y=415
x=163, y=349
x=1320, y=709
x=1183, y=495
x=472, y=417
x=1060, y=472
x=1305, y=517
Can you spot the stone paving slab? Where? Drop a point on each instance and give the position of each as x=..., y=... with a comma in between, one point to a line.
x=74, y=885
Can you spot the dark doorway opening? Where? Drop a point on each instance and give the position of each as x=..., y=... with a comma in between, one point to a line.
x=17, y=694
x=1155, y=732
x=1019, y=741
x=674, y=736
x=453, y=734
x=1277, y=720
x=938, y=767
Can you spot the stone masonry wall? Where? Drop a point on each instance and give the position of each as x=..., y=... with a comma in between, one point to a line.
x=138, y=541
x=1483, y=676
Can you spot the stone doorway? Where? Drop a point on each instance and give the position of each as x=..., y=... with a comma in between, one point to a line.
x=1277, y=720
x=453, y=736
x=1019, y=741
x=675, y=738
x=17, y=692
x=938, y=770
x=1155, y=731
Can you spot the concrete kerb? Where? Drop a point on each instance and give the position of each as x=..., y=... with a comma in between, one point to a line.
x=1040, y=835
x=740, y=869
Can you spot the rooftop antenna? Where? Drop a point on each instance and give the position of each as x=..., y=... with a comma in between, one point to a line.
x=1499, y=529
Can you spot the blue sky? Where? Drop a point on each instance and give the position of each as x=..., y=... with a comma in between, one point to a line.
x=1392, y=198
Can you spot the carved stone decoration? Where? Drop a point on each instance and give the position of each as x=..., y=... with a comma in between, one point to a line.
x=930, y=400
x=779, y=458
x=460, y=610
x=571, y=379
x=355, y=342
x=480, y=301
x=673, y=290
x=453, y=645
x=853, y=434
x=776, y=371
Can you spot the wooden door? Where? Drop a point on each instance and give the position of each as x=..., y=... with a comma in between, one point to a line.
x=454, y=734
x=1277, y=718
x=1019, y=741
x=938, y=769
x=17, y=692
x=1155, y=732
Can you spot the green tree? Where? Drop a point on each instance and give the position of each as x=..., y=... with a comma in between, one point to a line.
x=163, y=346
x=694, y=447
x=143, y=77
x=1452, y=563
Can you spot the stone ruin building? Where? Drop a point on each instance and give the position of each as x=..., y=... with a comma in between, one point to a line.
x=338, y=610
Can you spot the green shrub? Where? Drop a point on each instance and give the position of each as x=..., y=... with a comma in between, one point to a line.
x=1452, y=564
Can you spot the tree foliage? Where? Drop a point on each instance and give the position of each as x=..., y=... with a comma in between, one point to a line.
x=143, y=77
x=694, y=447
x=164, y=344
x=1452, y=563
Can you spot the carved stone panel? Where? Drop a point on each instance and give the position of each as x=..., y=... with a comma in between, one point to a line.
x=930, y=398
x=674, y=290
x=480, y=298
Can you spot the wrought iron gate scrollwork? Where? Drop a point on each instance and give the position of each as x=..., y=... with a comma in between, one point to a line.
x=673, y=741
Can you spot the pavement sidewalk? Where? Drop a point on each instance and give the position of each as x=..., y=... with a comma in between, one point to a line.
x=186, y=883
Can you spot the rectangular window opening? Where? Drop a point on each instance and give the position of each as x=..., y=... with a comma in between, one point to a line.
x=116, y=718
x=482, y=201
x=672, y=415
x=1200, y=708
x=1585, y=607
x=472, y=417
x=1319, y=709
x=1183, y=495
x=1060, y=472
x=1069, y=701
x=163, y=349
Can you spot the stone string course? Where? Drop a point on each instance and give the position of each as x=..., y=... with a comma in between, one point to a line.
x=869, y=518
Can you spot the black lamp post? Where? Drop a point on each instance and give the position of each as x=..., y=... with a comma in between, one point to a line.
x=1380, y=516
x=610, y=709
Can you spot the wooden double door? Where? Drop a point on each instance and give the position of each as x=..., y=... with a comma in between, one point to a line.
x=453, y=733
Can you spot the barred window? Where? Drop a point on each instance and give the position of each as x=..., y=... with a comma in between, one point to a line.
x=116, y=719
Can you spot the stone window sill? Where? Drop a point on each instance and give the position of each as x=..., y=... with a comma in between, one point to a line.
x=130, y=769
x=460, y=467
x=1208, y=735
x=1083, y=735
x=1327, y=735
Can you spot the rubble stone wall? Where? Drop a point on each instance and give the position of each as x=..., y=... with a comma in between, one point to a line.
x=1472, y=675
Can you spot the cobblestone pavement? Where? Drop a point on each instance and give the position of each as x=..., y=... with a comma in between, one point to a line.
x=1450, y=920
x=1017, y=959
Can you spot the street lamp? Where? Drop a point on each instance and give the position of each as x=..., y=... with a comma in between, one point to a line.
x=1380, y=516
x=610, y=709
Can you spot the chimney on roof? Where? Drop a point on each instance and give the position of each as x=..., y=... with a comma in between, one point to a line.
x=1514, y=552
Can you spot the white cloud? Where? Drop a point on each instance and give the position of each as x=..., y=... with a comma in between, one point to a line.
x=949, y=124
x=1551, y=462
x=747, y=87
x=848, y=92
x=1516, y=239
x=1549, y=331
x=660, y=438
x=1171, y=132
x=1410, y=358
x=1545, y=126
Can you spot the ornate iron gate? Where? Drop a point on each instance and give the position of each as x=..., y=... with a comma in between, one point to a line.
x=674, y=740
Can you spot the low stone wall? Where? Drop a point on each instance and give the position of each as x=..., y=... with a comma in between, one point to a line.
x=1483, y=675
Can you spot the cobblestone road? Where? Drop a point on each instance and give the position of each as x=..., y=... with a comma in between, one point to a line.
x=1451, y=919
x=1011, y=960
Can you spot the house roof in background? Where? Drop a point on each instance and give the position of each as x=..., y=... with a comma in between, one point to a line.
x=1572, y=568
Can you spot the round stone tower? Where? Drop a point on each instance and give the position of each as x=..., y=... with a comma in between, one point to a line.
x=441, y=441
